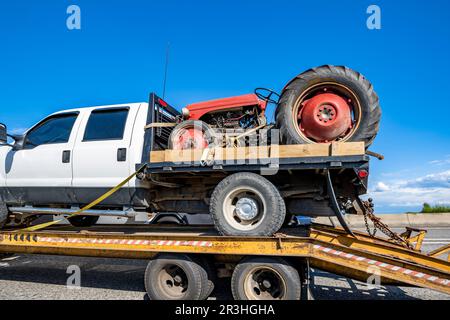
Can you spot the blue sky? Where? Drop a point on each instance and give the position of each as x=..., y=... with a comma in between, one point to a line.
x=224, y=47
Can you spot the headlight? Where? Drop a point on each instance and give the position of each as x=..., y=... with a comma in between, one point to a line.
x=185, y=113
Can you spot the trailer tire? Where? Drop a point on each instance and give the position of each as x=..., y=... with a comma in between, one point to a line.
x=83, y=221
x=212, y=275
x=247, y=204
x=176, y=277
x=4, y=213
x=265, y=278
x=360, y=95
x=209, y=267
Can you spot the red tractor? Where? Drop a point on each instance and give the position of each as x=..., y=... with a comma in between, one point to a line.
x=324, y=104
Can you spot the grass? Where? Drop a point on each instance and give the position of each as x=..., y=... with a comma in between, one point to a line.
x=435, y=209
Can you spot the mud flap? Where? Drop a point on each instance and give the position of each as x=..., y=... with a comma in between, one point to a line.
x=335, y=206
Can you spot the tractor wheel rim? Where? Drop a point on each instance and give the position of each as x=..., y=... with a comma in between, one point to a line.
x=331, y=99
x=190, y=138
x=264, y=283
x=244, y=208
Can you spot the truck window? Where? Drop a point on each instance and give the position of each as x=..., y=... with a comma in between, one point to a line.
x=106, y=124
x=55, y=129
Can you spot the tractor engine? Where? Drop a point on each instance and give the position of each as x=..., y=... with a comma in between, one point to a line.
x=244, y=118
x=214, y=121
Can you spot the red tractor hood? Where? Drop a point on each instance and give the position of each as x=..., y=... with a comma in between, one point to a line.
x=199, y=109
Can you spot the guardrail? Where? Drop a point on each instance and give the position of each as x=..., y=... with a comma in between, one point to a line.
x=413, y=220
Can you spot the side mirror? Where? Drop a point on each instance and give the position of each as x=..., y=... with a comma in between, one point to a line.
x=3, y=134
x=19, y=142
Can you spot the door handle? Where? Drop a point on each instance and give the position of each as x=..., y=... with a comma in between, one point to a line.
x=66, y=156
x=122, y=154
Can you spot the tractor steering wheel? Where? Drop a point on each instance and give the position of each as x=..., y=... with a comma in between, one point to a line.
x=266, y=95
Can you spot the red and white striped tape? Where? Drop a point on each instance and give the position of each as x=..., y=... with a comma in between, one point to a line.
x=128, y=242
x=379, y=264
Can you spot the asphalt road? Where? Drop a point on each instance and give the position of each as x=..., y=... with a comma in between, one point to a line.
x=45, y=277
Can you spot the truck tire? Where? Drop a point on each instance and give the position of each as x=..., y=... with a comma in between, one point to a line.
x=4, y=213
x=265, y=278
x=83, y=221
x=176, y=277
x=210, y=269
x=192, y=134
x=247, y=204
x=328, y=103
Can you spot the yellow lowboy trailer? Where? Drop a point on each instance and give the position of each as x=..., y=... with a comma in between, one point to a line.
x=184, y=261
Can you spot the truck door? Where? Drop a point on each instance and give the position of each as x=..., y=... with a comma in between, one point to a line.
x=101, y=154
x=41, y=172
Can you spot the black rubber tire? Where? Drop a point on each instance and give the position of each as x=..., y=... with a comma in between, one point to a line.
x=169, y=220
x=83, y=221
x=355, y=81
x=4, y=213
x=210, y=269
x=285, y=270
x=4, y=255
x=274, y=213
x=206, y=129
x=197, y=277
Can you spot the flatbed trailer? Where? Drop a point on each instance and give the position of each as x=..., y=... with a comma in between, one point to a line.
x=327, y=248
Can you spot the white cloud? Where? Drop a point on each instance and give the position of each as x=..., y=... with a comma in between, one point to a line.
x=397, y=194
x=436, y=180
x=441, y=162
x=381, y=186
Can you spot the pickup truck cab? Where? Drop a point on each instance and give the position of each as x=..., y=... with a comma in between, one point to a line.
x=71, y=157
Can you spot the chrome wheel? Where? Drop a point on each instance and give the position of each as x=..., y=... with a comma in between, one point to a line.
x=244, y=208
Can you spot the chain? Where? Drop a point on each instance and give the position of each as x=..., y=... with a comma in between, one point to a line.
x=379, y=225
x=371, y=233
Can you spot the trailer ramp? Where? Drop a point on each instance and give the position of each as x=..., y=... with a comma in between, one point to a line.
x=326, y=248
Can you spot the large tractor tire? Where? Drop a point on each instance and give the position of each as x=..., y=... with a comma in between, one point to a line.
x=326, y=104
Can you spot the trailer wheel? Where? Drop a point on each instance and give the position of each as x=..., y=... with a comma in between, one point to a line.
x=83, y=221
x=247, y=204
x=176, y=277
x=328, y=103
x=265, y=278
x=210, y=269
x=4, y=213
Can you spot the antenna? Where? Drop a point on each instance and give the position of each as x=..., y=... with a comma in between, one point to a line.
x=165, y=69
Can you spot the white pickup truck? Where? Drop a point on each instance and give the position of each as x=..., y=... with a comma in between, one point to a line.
x=72, y=157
